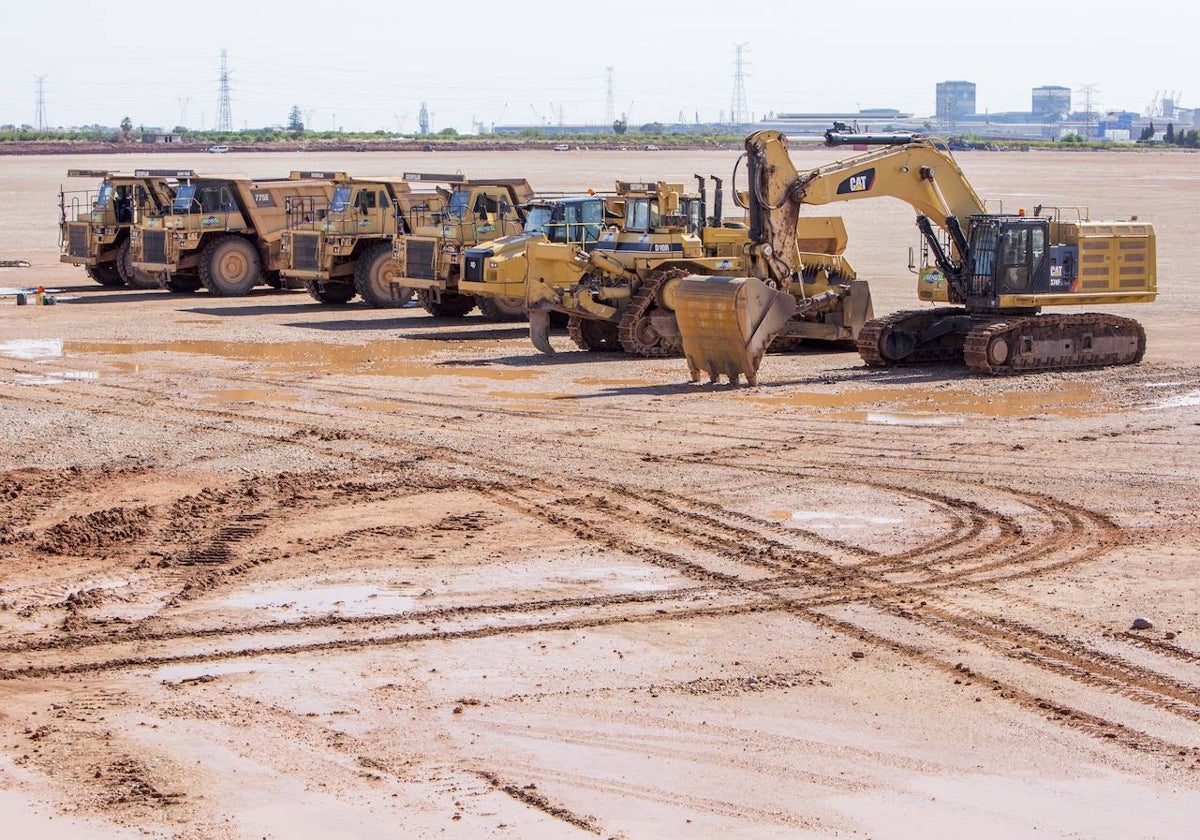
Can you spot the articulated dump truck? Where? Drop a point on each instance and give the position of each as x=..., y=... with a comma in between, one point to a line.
x=94, y=225
x=347, y=251
x=995, y=270
x=618, y=291
x=224, y=232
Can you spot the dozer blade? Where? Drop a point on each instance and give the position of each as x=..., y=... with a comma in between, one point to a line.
x=727, y=323
x=539, y=330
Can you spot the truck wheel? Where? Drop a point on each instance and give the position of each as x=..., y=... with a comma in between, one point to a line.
x=106, y=274
x=230, y=267
x=181, y=283
x=134, y=277
x=334, y=293
x=451, y=305
x=375, y=279
x=501, y=308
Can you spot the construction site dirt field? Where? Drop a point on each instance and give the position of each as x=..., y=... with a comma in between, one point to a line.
x=270, y=568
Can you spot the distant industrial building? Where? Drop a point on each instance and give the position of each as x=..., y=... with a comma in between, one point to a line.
x=955, y=101
x=1051, y=102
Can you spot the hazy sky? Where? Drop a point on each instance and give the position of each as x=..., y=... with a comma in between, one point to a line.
x=370, y=65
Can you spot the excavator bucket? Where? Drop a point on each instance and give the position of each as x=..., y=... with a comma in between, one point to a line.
x=727, y=323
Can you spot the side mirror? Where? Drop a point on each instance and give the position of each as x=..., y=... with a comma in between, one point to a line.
x=912, y=260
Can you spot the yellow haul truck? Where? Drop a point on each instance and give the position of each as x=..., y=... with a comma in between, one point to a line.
x=430, y=258
x=223, y=232
x=996, y=270
x=94, y=225
x=620, y=295
x=348, y=252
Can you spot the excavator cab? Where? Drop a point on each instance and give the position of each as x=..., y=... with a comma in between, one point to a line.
x=1009, y=255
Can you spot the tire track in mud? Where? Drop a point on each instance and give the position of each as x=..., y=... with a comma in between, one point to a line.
x=709, y=532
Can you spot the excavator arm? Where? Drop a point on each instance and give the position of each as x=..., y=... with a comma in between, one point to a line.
x=727, y=324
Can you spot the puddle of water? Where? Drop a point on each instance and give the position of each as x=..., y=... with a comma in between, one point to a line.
x=36, y=379
x=1067, y=400
x=56, y=378
x=30, y=349
x=620, y=578
x=1187, y=400
x=849, y=521
x=247, y=395
x=344, y=600
x=174, y=673
x=914, y=419
x=378, y=358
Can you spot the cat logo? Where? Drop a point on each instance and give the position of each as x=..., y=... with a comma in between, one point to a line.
x=862, y=182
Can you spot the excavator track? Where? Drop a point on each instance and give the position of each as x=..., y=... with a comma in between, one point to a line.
x=880, y=344
x=636, y=331
x=595, y=336
x=1053, y=342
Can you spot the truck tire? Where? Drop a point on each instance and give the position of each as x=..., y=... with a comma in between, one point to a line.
x=332, y=293
x=183, y=284
x=106, y=274
x=501, y=308
x=375, y=279
x=230, y=267
x=450, y=305
x=134, y=277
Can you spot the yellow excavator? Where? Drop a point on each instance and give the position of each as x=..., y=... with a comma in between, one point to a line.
x=997, y=271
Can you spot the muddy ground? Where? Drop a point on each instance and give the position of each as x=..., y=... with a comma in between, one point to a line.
x=275, y=569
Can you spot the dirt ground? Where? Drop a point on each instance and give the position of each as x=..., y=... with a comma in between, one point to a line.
x=275, y=569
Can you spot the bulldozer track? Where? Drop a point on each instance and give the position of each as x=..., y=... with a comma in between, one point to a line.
x=634, y=330
x=735, y=563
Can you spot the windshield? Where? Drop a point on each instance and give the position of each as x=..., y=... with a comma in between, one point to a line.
x=341, y=199
x=641, y=214
x=457, y=208
x=536, y=219
x=183, y=198
x=104, y=195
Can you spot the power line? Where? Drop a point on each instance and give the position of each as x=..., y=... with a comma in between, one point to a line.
x=224, y=114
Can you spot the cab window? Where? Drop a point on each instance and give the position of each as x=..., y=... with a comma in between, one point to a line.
x=340, y=200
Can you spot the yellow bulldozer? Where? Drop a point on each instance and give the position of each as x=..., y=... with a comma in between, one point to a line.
x=618, y=293
x=996, y=270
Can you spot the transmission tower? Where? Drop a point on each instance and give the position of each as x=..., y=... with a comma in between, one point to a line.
x=739, y=112
x=423, y=118
x=183, y=101
x=610, y=112
x=224, y=115
x=1089, y=113
x=41, y=103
